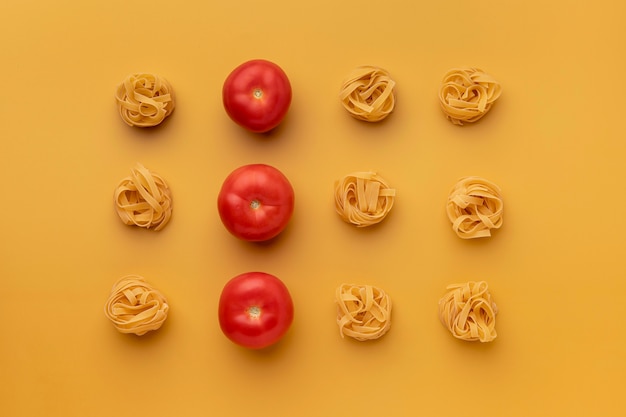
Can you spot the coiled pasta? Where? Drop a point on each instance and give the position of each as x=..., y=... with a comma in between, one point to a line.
x=363, y=311
x=144, y=100
x=363, y=198
x=143, y=199
x=468, y=312
x=134, y=306
x=467, y=94
x=475, y=207
x=368, y=93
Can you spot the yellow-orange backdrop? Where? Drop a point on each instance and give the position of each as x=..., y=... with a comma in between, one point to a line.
x=554, y=143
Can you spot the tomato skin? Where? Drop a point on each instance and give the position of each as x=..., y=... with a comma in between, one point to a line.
x=257, y=95
x=256, y=202
x=238, y=304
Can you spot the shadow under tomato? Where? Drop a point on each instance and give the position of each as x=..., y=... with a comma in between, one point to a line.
x=277, y=350
x=266, y=245
x=275, y=134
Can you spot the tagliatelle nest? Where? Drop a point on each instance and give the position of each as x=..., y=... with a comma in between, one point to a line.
x=363, y=311
x=363, y=198
x=468, y=312
x=467, y=94
x=134, y=306
x=143, y=199
x=475, y=207
x=368, y=93
x=144, y=100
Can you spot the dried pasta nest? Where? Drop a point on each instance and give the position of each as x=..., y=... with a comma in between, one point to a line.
x=468, y=312
x=475, y=207
x=467, y=94
x=134, y=306
x=363, y=198
x=367, y=93
x=363, y=311
x=143, y=199
x=144, y=100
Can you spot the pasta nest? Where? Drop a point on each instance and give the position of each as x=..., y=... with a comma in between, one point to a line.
x=475, y=207
x=363, y=198
x=467, y=94
x=143, y=199
x=134, y=306
x=368, y=93
x=468, y=311
x=144, y=100
x=363, y=311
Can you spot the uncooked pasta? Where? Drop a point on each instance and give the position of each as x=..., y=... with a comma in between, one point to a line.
x=363, y=311
x=134, y=306
x=468, y=311
x=363, y=198
x=368, y=93
x=475, y=207
x=467, y=94
x=144, y=100
x=143, y=199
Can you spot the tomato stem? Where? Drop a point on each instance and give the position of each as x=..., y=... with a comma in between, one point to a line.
x=254, y=312
x=258, y=93
x=255, y=204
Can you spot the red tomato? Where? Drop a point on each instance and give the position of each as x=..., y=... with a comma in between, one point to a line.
x=257, y=95
x=256, y=202
x=255, y=310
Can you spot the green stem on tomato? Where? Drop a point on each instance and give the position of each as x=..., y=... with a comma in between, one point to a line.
x=254, y=312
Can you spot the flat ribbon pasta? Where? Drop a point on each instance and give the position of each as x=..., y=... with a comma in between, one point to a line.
x=475, y=207
x=144, y=100
x=363, y=198
x=468, y=312
x=467, y=94
x=143, y=199
x=134, y=306
x=363, y=311
x=368, y=93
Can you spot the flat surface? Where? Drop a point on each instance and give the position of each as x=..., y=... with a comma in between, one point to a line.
x=554, y=143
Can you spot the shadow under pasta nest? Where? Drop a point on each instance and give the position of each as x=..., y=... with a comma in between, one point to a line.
x=375, y=229
x=151, y=337
x=482, y=242
x=476, y=347
x=365, y=344
x=374, y=130
x=155, y=133
x=493, y=113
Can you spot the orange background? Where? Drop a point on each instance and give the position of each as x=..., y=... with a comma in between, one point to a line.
x=553, y=142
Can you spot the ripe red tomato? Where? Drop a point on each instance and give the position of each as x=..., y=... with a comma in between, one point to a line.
x=257, y=95
x=255, y=310
x=256, y=202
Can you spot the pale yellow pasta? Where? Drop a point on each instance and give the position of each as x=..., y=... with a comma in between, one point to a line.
x=468, y=312
x=367, y=93
x=134, y=306
x=143, y=199
x=363, y=311
x=363, y=198
x=144, y=100
x=467, y=94
x=475, y=207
